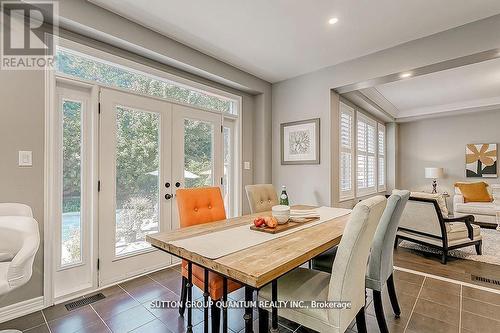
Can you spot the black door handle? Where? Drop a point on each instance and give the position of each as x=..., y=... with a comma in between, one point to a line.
x=177, y=184
x=168, y=196
x=167, y=185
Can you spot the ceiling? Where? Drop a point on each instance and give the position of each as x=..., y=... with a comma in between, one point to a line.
x=474, y=87
x=280, y=39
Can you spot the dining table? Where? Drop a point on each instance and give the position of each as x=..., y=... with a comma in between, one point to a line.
x=252, y=258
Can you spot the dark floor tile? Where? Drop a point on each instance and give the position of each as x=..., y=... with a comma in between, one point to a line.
x=172, y=319
x=97, y=327
x=422, y=324
x=173, y=285
x=281, y=329
x=237, y=294
x=129, y=320
x=74, y=321
x=442, y=286
x=165, y=275
x=477, y=323
x=408, y=277
x=144, y=289
x=406, y=304
x=114, y=305
x=441, y=298
x=58, y=311
x=23, y=323
x=303, y=329
x=438, y=311
x=481, y=295
x=153, y=326
x=405, y=287
x=38, y=329
x=481, y=308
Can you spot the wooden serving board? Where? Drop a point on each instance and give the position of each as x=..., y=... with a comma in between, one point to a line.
x=283, y=227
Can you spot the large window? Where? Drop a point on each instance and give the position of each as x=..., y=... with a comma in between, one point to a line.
x=88, y=68
x=361, y=154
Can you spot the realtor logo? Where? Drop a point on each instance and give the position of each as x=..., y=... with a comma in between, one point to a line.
x=27, y=36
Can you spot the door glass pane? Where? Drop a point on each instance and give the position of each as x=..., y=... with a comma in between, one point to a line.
x=198, y=153
x=227, y=180
x=137, y=178
x=71, y=233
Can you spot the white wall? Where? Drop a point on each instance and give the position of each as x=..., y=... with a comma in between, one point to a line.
x=308, y=96
x=440, y=142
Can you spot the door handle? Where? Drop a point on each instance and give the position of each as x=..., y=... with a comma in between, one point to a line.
x=168, y=196
x=177, y=184
x=167, y=185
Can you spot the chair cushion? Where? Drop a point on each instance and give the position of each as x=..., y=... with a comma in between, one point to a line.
x=458, y=230
x=214, y=284
x=439, y=197
x=474, y=192
x=479, y=208
x=303, y=285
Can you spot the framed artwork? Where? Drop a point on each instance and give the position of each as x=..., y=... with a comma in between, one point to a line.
x=481, y=160
x=300, y=142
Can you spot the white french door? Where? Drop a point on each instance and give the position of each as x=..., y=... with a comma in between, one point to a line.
x=135, y=163
x=197, y=147
x=148, y=149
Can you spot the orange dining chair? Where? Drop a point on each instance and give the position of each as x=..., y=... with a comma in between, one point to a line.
x=198, y=206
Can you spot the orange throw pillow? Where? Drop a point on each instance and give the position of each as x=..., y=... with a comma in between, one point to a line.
x=474, y=192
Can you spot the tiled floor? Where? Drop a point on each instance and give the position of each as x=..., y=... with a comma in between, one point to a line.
x=428, y=305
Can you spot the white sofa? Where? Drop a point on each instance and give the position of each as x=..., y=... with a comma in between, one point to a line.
x=483, y=212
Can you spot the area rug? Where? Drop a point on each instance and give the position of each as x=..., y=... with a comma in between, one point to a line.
x=491, y=248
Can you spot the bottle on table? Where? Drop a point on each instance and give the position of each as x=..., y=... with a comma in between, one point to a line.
x=284, y=196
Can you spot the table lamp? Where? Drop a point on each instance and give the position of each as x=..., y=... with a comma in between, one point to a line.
x=434, y=174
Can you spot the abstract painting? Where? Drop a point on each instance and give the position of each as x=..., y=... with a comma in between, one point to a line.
x=481, y=160
x=300, y=142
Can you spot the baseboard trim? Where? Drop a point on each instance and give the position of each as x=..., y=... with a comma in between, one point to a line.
x=21, y=309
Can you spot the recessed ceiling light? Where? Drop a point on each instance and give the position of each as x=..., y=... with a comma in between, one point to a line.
x=405, y=75
x=333, y=20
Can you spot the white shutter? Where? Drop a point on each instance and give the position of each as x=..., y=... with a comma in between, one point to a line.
x=346, y=142
x=381, y=158
x=366, y=155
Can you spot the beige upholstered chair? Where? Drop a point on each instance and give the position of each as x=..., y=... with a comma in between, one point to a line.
x=261, y=197
x=423, y=222
x=345, y=283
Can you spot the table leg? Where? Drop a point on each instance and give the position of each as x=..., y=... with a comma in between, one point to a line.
x=189, y=287
x=205, y=300
x=263, y=320
x=248, y=310
x=224, y=306
x=274, y=309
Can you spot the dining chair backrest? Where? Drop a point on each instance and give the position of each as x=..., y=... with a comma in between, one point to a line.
x=261, y=197
x=200, y=205
x=347, y=282
x=380, y=265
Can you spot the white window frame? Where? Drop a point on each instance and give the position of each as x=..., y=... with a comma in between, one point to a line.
x=349, y=111
x=381, y=153
x=368, y=190
x=51, y=151
x=378, y=126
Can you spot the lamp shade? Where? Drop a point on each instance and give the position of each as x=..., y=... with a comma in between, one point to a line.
x=434, y=173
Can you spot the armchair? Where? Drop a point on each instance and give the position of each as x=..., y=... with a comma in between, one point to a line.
x=422, y=222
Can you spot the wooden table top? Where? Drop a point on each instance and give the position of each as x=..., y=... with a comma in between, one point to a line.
x=258, y=265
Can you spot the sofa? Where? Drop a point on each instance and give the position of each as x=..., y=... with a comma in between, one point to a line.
x=484, y=212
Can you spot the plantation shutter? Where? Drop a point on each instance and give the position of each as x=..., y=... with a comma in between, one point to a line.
x=381, y=158
x=366, y=155
x=346, y=131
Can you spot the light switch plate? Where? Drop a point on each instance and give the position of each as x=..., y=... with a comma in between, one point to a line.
x=25, y=158
x=246, y=165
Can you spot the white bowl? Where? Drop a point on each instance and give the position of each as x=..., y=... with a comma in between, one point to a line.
x=281, y=213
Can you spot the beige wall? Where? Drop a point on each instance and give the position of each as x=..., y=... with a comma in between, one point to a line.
x=440, y=142
x=21, y=128
x=308, y=96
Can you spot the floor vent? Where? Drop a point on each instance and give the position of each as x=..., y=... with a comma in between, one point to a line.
x=84, y=301
x=485, y=280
